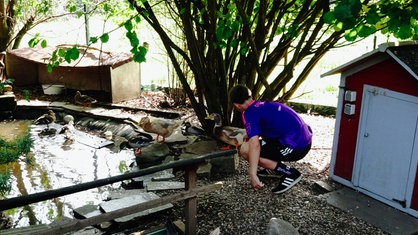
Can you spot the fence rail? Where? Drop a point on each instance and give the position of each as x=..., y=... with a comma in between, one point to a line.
x=190, y=166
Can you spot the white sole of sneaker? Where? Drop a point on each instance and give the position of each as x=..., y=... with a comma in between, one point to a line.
x=289, y=183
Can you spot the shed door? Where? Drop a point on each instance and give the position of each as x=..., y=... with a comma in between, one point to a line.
x=385, y=159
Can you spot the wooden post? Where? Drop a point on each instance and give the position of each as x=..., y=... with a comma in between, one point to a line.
x=191, y=203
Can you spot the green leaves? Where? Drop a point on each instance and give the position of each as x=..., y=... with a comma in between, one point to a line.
x=404, y=32
x=372, y=16
x=104, y=38
x=227, y=26
x=350, y=35
x=347, y=13
x=364, y=30
x=128, y=25
x=60, y=55
x=72, y=54
x=138, y=51
x=35, y=41
x=26, y=95
x=358, y=19
x=5, y=183
x=329, y=17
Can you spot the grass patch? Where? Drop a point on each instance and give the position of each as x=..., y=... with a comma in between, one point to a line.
x=10, y=152
x=5, y=184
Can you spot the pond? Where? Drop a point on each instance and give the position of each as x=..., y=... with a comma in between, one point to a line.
x=59, y=163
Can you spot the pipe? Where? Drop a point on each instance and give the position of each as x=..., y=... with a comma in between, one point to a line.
x=10, y=203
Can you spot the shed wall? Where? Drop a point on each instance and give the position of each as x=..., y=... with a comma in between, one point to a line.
x=387, y=74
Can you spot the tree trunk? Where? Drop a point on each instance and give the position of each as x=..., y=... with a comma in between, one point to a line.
x=4, y=27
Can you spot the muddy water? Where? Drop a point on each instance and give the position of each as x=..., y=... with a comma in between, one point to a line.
x=59, y=163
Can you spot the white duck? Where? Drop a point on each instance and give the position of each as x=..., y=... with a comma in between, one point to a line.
x=68, y=130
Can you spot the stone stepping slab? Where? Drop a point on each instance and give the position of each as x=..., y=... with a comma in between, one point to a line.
x=117, y=204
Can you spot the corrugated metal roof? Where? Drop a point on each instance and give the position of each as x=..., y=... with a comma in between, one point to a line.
x=405, y=53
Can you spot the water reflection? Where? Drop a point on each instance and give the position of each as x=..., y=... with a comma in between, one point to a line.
x=59, y=163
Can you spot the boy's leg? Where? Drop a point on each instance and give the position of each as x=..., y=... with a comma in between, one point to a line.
x=288, y=176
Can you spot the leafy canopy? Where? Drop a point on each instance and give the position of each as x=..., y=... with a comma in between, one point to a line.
x=359, y=19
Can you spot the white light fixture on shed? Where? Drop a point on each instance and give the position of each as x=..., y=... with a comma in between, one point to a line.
x=349, y=109
x=350, y=96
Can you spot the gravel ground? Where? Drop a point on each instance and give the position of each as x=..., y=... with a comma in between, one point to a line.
x=238, y=209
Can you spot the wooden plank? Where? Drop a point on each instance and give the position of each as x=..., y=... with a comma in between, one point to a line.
x=79, y=224
x=24, y=230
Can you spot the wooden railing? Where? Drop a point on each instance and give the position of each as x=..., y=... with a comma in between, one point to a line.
x=190, y=167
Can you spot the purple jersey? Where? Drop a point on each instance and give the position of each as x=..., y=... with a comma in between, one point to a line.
x=276, y=120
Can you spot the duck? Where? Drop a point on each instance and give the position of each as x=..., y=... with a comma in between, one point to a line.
x=233, y=136
x=46, y=118
x=48, y=132
x=68, y=130
x=108, y=135
x=68, y=118
x=160, y=126
x=192, y=129
x=83, y=100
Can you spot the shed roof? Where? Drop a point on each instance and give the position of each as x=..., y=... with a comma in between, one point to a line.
x=405, y=53
x=89, y=57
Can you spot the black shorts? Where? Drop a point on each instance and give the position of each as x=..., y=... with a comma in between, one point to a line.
x=274, y=150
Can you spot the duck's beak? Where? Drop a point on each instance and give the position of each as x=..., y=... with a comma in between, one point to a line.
x=210, y=117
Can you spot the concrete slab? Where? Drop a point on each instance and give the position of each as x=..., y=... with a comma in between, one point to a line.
x=374, y=212
x=91, y=140
x=113, y=205
x=89, y=211
x=157, y=176
x=86, y=211
x=124, y=193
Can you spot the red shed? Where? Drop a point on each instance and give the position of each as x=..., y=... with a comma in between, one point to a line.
x=375, y=148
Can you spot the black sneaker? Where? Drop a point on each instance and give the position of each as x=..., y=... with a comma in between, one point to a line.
x=287, y=181
x=269, y=173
